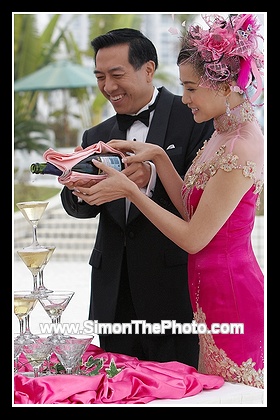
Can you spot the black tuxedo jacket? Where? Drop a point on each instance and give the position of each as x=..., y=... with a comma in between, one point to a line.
x=157, y=267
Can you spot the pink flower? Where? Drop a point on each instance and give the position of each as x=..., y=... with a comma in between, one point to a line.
x=220, y=42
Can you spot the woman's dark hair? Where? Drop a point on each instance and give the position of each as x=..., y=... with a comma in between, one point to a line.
x=141, y=49
x=190, y=54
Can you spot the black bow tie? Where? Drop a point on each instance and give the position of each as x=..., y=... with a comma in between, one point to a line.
x=125, y=121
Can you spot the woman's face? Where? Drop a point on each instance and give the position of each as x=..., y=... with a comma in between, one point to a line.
x=205, y=103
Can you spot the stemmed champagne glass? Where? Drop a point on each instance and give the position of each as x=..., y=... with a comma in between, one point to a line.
x=70, y=350
x=24, y=303
x=54, y=304
x=33, y=211
x=34, y=259
x=37, y=353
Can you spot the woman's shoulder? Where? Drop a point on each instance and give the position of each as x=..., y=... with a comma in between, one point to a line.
x=246, y=148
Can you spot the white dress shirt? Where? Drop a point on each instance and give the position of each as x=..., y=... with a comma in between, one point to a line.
x=138, y=131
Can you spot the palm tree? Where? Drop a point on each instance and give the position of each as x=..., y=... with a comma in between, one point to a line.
x=33, y=51
x=30, y=134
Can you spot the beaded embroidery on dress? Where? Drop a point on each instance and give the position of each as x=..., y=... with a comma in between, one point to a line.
x=222, y=275
x=200, y=171
x=239, y=114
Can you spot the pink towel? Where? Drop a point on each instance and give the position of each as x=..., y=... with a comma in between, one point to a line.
x=66, y=161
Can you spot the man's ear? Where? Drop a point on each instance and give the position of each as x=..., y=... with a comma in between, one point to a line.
x=150, y=69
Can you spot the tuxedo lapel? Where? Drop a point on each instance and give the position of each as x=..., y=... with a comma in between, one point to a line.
x=157, y=132
x=116, y=133
x=159, y=124
x=117, y=211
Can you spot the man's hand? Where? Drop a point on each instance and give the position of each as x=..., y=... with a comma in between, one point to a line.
x=139, y=173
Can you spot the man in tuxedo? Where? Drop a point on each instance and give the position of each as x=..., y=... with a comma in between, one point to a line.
x=137, y=273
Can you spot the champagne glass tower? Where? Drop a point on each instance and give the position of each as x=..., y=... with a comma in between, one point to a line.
x=35, y=256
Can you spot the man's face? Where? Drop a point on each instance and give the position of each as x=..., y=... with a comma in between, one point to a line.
x=127, y=89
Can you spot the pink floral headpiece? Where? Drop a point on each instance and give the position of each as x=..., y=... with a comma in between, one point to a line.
x=229, y=50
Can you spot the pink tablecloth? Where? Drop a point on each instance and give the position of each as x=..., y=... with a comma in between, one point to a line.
x=137, y=383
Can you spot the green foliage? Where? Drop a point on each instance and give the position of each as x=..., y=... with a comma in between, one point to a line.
x=94, y=364
x=30, y=134
x=112, y=370
x=32, y=51
x=102, y=23
x=91, y=367
x=24, y=192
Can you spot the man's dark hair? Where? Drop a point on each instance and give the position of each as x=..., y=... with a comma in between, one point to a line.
x=141, y=49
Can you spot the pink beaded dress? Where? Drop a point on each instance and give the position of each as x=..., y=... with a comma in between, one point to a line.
x=225, y=280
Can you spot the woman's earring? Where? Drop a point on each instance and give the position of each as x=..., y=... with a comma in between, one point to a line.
x=227, y=107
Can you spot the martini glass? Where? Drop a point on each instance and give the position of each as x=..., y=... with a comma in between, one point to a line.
x=37, y=353
x=70, y=350
x=33, y=211
x=34, y=258
x=42, y=289
x=55, y=304
x=24, y=303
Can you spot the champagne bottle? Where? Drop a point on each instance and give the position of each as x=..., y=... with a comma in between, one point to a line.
x=45, y=168
x=84, y=166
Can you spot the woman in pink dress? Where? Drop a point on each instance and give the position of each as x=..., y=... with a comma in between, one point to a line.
x=219, y=67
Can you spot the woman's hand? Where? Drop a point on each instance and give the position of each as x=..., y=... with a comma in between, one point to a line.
x=137, y=151
x=116, y=185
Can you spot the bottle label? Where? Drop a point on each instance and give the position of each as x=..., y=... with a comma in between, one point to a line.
x=111, y=161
